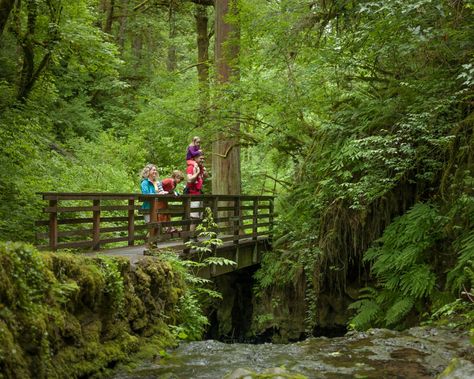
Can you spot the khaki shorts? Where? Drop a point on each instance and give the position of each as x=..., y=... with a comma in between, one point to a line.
x=196, y=204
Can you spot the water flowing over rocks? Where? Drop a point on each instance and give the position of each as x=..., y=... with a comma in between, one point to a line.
x=378, y=353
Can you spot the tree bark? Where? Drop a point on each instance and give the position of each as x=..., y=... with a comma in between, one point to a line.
x=6, y=7
x=226, y=149
x=122, y=26
x=203, y=62
x=28, y=65
x=171, y=63
x=110, y=17
x=137, y=45
x=30, y=74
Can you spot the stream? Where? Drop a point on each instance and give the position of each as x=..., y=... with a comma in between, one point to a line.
x=379, y=353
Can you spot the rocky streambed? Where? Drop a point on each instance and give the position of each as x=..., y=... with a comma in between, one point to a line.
x=379, y=353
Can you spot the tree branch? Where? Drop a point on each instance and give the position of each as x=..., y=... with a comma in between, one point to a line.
x=284, y=183
x=203, y=2
x=191, y=66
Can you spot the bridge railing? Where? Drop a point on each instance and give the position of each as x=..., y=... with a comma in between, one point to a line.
x=97, y=220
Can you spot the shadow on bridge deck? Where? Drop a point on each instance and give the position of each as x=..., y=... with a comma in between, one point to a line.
x=247, y=253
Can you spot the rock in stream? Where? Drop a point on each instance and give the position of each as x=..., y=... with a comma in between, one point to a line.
x=378, y=353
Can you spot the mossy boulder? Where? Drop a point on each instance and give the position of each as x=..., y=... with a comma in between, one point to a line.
x=66, y=315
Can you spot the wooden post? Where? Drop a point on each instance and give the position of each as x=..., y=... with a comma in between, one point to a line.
x=186, y=217
x=270, y=221
x=131, y=222
x=153, y=219
x=158, y=231
x=53, y=225
x=215, y=213
x=96, y=225
x=236, y=223
x=255, y=219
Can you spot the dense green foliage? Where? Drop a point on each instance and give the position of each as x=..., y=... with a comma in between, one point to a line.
x=377, y=115
x=357, y=113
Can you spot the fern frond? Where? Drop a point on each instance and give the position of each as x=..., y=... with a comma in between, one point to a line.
x=418, y=282
x=385, y=297
x=409, y=255
x=372, y=254
x=209, y=292
x=398, y=310
x=367, y=293
x=457, y=277
x=368, y=312
x=392, y=282
x=219, y=261
x=197, y=280
x=189, y=263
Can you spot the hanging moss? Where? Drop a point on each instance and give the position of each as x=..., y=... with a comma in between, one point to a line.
x=65, y=315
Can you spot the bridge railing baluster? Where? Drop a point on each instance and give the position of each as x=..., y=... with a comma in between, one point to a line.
x=153, y=219
x=96, y=224
x=131, y=222
x=255, y=220
x=186, y=218
x=53, y=225
x=236, y=221
x=270, y=220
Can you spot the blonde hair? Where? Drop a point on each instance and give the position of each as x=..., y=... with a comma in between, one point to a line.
x=146, y=171
x=177, y=175
x=195, y=139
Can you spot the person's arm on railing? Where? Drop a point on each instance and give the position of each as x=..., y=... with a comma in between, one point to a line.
x=192, y=177
x=159, y=189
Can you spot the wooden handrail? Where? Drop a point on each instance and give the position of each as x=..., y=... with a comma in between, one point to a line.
x=112, y=196
x=118, y=218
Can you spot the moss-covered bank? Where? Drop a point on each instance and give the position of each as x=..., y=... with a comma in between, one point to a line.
x=64, y=315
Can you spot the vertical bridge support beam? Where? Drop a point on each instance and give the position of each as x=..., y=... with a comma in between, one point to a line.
x=187, y=226
x=153, y=220
x=236, y=222
x=53, y=225
x=131, y=222
x=96, y=225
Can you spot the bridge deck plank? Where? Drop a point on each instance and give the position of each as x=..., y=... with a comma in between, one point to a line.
x=135, y=253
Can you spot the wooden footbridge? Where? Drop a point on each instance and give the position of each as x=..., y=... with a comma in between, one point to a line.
x=114, y=224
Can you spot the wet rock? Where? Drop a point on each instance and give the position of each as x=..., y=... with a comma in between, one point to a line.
x=458, y=368
x=421, y=353
x=240, y=373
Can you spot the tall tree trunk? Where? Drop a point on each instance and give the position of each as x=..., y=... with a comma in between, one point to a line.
x=226, y=149
x=171, y=63
x=110, y=17
x=29, y=73
x=203, y=62
x=102, y=9
x=6, y=7
x=122, y=25
x=137, y=45
x=26, y=43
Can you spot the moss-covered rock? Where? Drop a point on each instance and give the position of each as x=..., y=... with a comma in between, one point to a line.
x=64, y=315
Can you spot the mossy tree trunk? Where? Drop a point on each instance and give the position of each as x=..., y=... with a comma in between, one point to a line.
x=172, y=63
x=225, y=149
x=203, y=61
x=6, y=7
